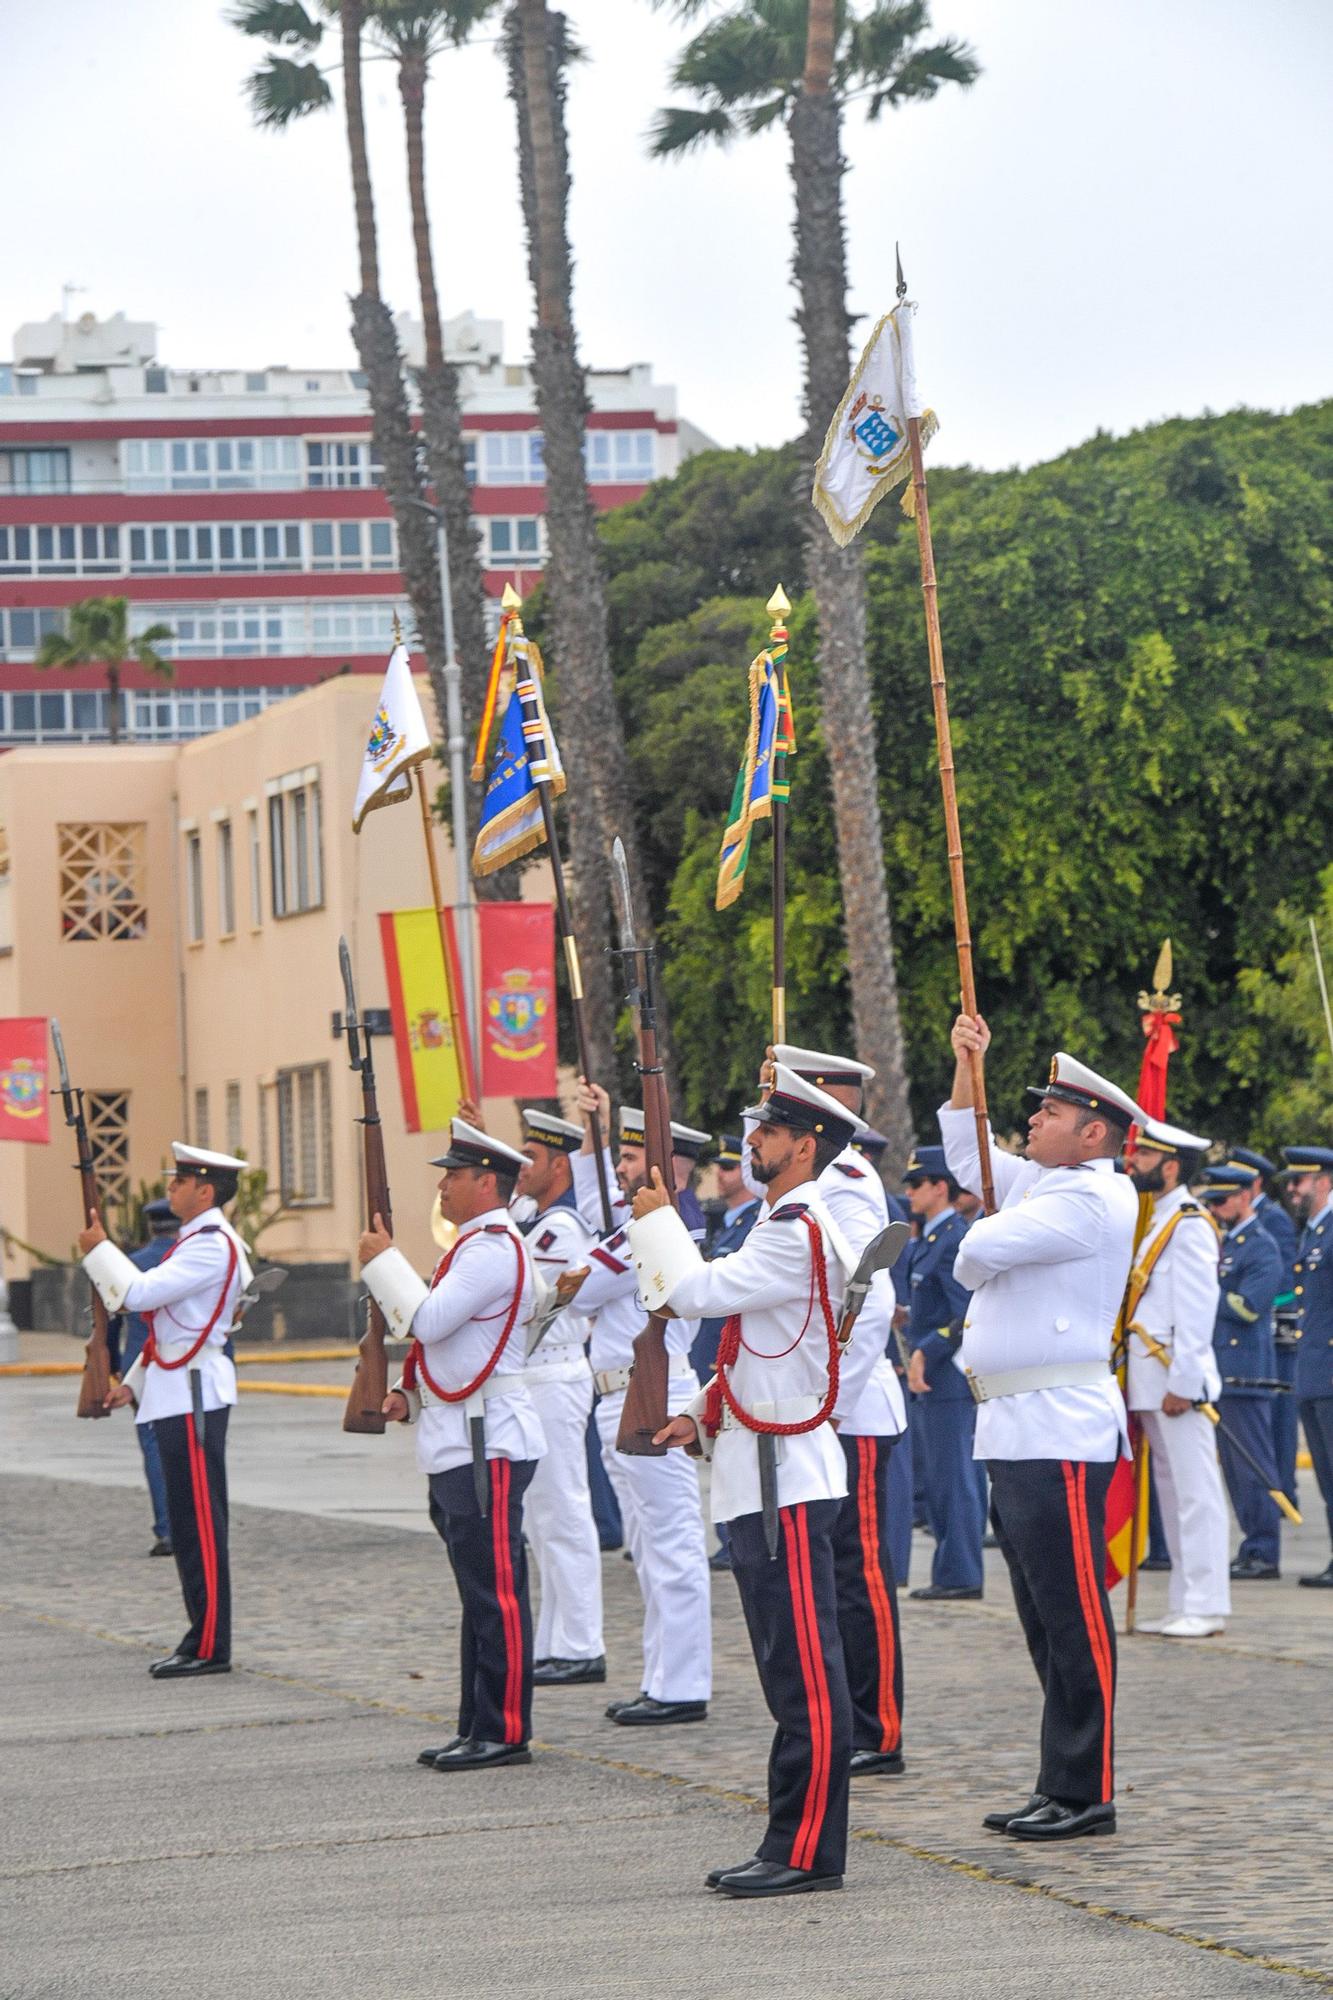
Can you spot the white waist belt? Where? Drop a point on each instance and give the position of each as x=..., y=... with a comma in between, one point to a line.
x=1018, y=1381
x=567, y=1360
x=494, y=1385
x=174, y=1350
x=794, y=1410
x=609, y=1381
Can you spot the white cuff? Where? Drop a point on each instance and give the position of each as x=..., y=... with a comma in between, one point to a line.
x=695, y=1408
x=664, y=1253
x=396, y=1290
x=112, y=1273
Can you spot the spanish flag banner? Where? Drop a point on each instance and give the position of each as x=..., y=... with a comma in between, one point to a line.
x=762, y=776
x=432, y=1071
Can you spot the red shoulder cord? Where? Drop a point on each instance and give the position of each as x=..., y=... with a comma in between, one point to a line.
x=416, y=1359
x=150, y=1352
x=729, y=1347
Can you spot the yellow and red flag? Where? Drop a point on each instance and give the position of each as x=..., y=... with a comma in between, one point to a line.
x=433, y=1072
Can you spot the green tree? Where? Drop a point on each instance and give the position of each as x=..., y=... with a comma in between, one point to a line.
x=1290, y=1051
x=802, y=63
x=99, y=636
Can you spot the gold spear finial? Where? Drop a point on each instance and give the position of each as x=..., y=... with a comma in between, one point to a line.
x=397, y=631
x=1160, y=1001
x=779, y=604
x=509, y=598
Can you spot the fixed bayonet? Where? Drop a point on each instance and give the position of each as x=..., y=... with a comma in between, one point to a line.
x=351, y=1022
x=66, y=1087
x=882, y=1251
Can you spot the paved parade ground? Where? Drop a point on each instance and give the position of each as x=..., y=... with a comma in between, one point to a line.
x=270, y=1834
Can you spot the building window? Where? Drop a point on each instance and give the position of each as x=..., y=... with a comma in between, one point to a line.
x=102, y=880
x=296, y=874
x=620, y=458
x=200, y=1137
x=336, y=463
x=108, y=1115
x=34, y=471
x=252, y=843
x=234, y=1118
x=155, y=381
x=250, y=630
x=514, y=540
x=194, y=887
x=305, y=1139
x=194, y=465
x=226, y=880
x=513, y=458
x=256, y=384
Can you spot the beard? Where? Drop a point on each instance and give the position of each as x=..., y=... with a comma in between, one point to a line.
x=1151, y=1182
x=630, y=1184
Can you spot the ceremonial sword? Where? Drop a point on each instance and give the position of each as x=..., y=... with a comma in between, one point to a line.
x=1275, y=1493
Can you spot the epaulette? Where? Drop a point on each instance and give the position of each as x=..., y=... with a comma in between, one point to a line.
x=546, y=1239
x=852, y=1173
x=495, y=1229
x=789, y=1211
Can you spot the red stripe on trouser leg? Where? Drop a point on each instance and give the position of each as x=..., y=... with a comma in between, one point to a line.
x=203, y=1515
x=867, y=1515
x=816, y=1687
x=1076, y=1499
x=508, y=1601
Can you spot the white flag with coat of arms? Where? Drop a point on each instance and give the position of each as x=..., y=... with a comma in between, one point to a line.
x=398, y=740
x=866, y=452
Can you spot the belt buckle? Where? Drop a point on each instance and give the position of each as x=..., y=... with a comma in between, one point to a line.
x=977, y=1387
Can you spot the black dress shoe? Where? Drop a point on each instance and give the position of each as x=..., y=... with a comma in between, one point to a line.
x=1324, y=1580
x=183, y=1666
x=869, y=1763
x=1150, y=1564
x=934, y=1592
x=990, y=1542
x=645, y=1711
x=720, y=1559
x=1249, y=1569
x=771, y=1878
x=473, y=1755
x=161, y=1547
x=1000, y=1822
x=440, y=1750
x=613, y=1708
x=1054, y=1821
x=714, y=1875
x=609, y=1545
x=568, y=1673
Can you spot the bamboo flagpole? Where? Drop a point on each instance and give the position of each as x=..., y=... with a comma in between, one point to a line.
x=1323, y=983
x=779, y=604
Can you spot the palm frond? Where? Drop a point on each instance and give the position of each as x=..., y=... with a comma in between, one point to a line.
x=922, y=74
x=283, y=91
x=678, y=129
x=285, y=22
x=144, y=647
x=761, y=116
x=742, y=57
x=879, y=40
x=56, y=651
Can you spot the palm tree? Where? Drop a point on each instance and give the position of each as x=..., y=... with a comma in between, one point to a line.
x=99, y=635
x=801, y=62
x=538, y=48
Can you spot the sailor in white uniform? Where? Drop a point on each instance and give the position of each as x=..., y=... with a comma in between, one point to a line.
x=568, y=1646
x=659, y=1497
x=184, y=1384
x=779, y=1474
x=478, y=1434
x=1170, y=1366
x=1048, y=1275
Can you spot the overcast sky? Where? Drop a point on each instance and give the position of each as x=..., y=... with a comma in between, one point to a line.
x=1126, y=218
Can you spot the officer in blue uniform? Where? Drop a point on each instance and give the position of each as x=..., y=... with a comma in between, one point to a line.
x=944, y=1412
x=734, y=1216
x=1250, y=1274
x=1273, y=1217
x=1310, y=1179
x=131, y=1330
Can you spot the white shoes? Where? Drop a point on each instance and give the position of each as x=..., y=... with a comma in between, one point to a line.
x=1192, y=1628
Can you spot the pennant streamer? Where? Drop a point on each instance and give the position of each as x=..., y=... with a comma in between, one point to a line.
x=525, y=755
x=771, y=738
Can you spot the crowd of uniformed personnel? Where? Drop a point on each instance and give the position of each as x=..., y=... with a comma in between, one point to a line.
x=972, y=1398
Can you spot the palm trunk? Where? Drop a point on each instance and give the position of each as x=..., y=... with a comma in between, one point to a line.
x=351, y=14
x=839, y=586
x=590, y=729
x=112, y=703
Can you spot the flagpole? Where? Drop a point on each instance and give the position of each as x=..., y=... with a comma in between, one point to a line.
x=1323, y=983
x=564, y=920
x=779, y=604
x=470, y=1083
x=944, y=746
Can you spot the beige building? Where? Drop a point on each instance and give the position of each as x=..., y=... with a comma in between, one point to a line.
x=178, y=909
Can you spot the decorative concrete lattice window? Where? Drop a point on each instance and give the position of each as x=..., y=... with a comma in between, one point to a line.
x=108, y=1114
x=103, y=880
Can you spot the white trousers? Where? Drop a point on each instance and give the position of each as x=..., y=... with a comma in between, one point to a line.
x=1194, y=1512
x=664, y=1530
x=558, y=1522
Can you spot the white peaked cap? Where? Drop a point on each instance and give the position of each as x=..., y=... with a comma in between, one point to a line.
x=1072, y=1082
x=199, y=1156
x=820, y=1067
x=1163, y=1138
x=470, y=1147
x=689, y=1139
x=801, y=1105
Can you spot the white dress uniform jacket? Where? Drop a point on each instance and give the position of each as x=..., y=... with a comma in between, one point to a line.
x=611, y=1292
x=870, y=1396
x=559, y=1239
x=1179, y=1309
x=1048, y=1274
x=182, y=1293
x=781, y=1372
x=458, y=1322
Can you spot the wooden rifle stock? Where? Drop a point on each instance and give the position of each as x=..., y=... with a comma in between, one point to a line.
x=364, y=1412
x=645, y=1408
x=95, y=1386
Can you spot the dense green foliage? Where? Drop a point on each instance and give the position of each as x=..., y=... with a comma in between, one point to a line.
x=1140, y=655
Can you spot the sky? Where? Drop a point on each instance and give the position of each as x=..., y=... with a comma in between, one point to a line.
x=1126, y=218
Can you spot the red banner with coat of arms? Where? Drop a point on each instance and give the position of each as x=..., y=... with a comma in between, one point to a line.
x=24, y=1097
x=517, y=999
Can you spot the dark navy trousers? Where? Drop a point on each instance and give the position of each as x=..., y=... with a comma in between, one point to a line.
x=196, y=1482
x=868, y=1595
x=955, y=1490
x=1317, y=1416
x=490, y=1567
x=1286, y=1422
x=1251, y=1419
x=901, y=1498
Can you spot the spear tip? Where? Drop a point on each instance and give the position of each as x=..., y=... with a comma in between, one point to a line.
x=779, y=604
x=509, y=598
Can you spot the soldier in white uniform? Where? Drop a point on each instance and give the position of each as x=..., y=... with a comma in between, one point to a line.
x=870, y=1418
x=659, y=1497
x=774, y=1394
x=1172, y=1310
x=185, y=1385
x=1048, y=1275
x=478, y=1434
x=568, y=1646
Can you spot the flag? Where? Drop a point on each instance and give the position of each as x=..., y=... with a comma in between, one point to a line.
x=770, y=740
x=525, y=755
x=398, y=740
x=517, y=1000
x=866, y=452
x=432, y=1070
x=24, y=1096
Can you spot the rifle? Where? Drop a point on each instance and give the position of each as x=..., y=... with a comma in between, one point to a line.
x=370, y=1384
x=645, y=1409
x=96, y=1384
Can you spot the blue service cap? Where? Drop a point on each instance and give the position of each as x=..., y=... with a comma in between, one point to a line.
x=158, y=1211
x=1307, y=1160
x=927, y=1164
x=730, y=1150
x=1219, y=1182
x=1245, y=1156
x=871, y=1143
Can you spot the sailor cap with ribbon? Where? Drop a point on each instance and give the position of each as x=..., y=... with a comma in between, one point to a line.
x=1072, y=1082
x=802, y=1108
x=560, y=1134
x=198, y=1160
x=631, y=1125
x=470, y=1148
x=818, y=1067
x=1155, y=1136
x=688, y=1142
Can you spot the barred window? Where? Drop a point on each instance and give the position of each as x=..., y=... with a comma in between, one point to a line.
x=201, y=1137
x=102, y=880
x=305, y=1137
x=233, y=1118
x=108, y=1115
x=295, y=843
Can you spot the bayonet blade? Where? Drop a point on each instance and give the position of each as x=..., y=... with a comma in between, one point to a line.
x=58, y=1042
x=624, y=900
x=882, y=1251
x=350, y=1022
